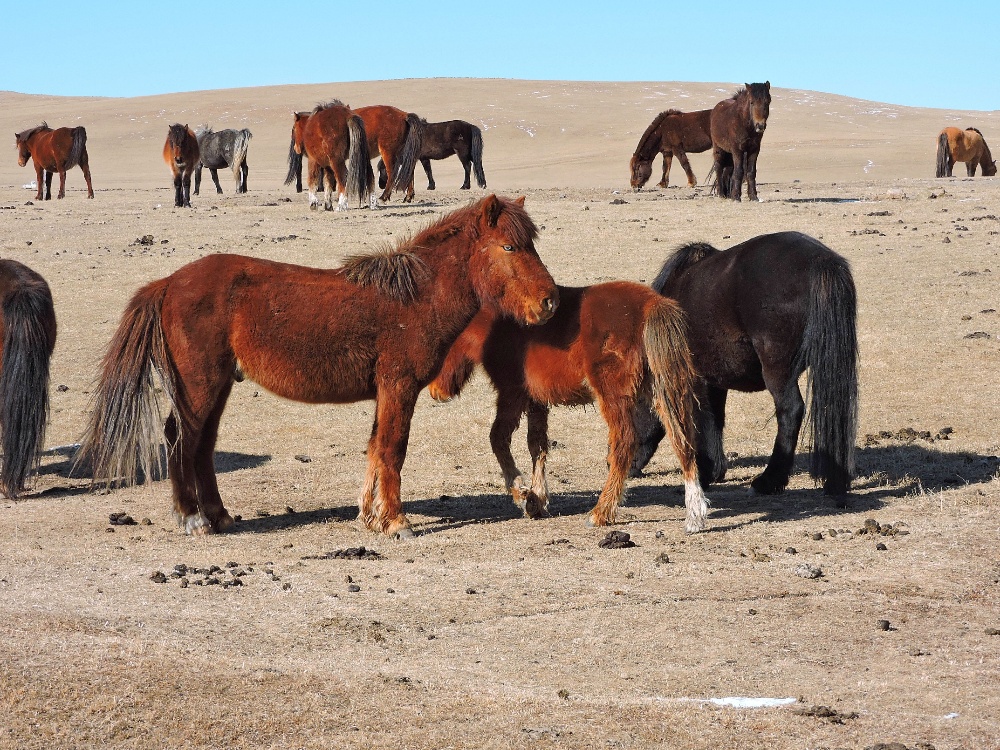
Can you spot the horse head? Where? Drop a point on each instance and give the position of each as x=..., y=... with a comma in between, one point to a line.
x=641, y=170
x=760, y=104
x=23, y=152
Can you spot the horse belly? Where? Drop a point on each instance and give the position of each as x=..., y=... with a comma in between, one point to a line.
x=551, y=378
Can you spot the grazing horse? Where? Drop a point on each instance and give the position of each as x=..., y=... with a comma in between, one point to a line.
x=28, y=336
x=759, y=315
x=377, y=328
x=967, y=146
x=54, y=151
x=615, y=343
x=396, y=136
x=442, y=139
x=181, y=153
x=737, y=127
x=227, y=148
x=334, y=140
x=672, y=133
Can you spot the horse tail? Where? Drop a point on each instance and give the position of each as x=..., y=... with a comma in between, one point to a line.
x=829, y=350
x=410, y=153
x=943, y=155
x=29, y=336
x=359, y=171
x=682, y=259
x=294, y=167
x=125, y=430
x=477, y=156
x=77, y=148
x=240, y=145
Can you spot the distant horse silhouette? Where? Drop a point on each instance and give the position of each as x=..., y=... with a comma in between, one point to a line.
x=439, y=141
x=613, y=343
x=28, y=335
x=377, y=328
x=967, y=146
x=759, y=315
x=226, y=148
x=671, y=133
x=334, y=140
x=181, y=153
x=737, y=127
x=396, y=136
x=54, y=151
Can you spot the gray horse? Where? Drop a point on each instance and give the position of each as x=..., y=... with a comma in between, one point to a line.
x=227, y=148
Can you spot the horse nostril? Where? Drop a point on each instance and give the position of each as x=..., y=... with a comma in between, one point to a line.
x=549, y=304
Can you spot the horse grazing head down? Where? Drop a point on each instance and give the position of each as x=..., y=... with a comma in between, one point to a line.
x=760, y=104
x=641, y=169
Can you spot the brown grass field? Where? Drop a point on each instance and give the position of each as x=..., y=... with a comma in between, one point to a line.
x=489, y=630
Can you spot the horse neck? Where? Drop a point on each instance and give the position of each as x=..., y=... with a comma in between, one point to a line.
x=452, y=301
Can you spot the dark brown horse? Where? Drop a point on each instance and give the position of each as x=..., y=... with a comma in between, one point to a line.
x=396, y=136
x=967, y=146
x=334, y=140
x=377, y=328
x=217, y=150
x=616, y=344
x=737, y=128
x=28, y=335
x=181, y=153
x=54, y=151
x=441, y=140
x=671, y=133
x=759, y=315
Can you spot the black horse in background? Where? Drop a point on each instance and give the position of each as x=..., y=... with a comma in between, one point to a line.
x=759, y=315
x=441, y=140
x=227, y=148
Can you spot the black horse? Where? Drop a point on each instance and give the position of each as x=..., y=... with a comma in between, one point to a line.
x=441, y=140
x=227, y=148
x=759, y=315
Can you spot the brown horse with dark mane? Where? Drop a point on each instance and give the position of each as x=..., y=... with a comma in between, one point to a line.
x=334, y=140
x=181, y=153
x=616, y=344
x=377, y=328
x=396, y=136
x=441, y=140
x=28, y=336
x=737, y=128
x=967, y=146
x=54, y=151
x=671, y=133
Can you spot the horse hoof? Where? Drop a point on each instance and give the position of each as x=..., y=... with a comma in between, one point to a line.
x=404, y=534
x=534, y=507
x=196, y=525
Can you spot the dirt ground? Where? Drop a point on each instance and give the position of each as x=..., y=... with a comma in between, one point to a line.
x=489, y=630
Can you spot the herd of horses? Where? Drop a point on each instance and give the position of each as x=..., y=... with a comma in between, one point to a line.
x=467, y=291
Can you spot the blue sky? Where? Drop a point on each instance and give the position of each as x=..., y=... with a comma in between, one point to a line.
x=910, y=53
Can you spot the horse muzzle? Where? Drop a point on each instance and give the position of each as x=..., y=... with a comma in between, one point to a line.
x=760, y=126
x=545, y=311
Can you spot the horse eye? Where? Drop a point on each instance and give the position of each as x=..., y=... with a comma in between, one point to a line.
x=509, y=248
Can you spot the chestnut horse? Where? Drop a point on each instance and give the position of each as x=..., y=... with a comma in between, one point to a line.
x=28, y=336
x=217, y=150
x=396, y=136
x=967, y=146
x=334, y=140
x=613, y=343
x=671, y=133
x=441, y=140
x=182, y=154
x=377, y=328
x=759, y=315
x=737, y=127
x=54, y=151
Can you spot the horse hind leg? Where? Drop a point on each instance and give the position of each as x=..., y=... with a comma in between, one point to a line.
x=668, y=159
x=244, y=172
x=85, y=166
x=426, y=164
x=215, y=179
x=48, y=184
x=618, y=413
x=686, y=164
x=537, y=501
x=789, y=409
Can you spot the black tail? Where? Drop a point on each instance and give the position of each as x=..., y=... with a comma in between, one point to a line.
x=682, y=259
x=29, y=336
x=830, y=352
x=477, y=156
x=943, y=156
x=77, y=149
x=294, y=167
x=359, y=168
x=410, y=153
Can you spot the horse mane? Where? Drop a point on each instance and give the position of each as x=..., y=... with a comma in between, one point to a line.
x=327, y=105
x=395, y=271
x=202, y=130
x=26, y=134
x=682, y=259
x=977, y=130
x=654, y=126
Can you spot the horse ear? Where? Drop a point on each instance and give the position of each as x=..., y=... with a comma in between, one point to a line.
x=520, y=201
x=768, y=84
x=492, y=208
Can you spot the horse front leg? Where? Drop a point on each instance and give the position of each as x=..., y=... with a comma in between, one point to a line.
x=668, y=160
x=178, y=190
x=62, y=184
x=39, y=180
x=197, y=179
x=187, y=189
x=511, y=404
x=395, y=403
x=537, y=501
x=736, y=182
x=751, y=174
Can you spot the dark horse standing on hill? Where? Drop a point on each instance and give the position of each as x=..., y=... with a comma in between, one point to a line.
x=54, y=151
x=759, y=315
x=28, y=336
x=737, y=128
x=180, y=152
x=439, y=141
x=672, y=133
x=217, y=150
x=967, y=146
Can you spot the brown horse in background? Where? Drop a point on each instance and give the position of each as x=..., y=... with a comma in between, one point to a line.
x=967, y=146
x=396, y=136
x=377, y=328
x=737, y=127
x=28, y=336
x=54, y=151
x=182, y=154
x=334, y=139
x=441, y=140
x=672, y=133
x=615, y=343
